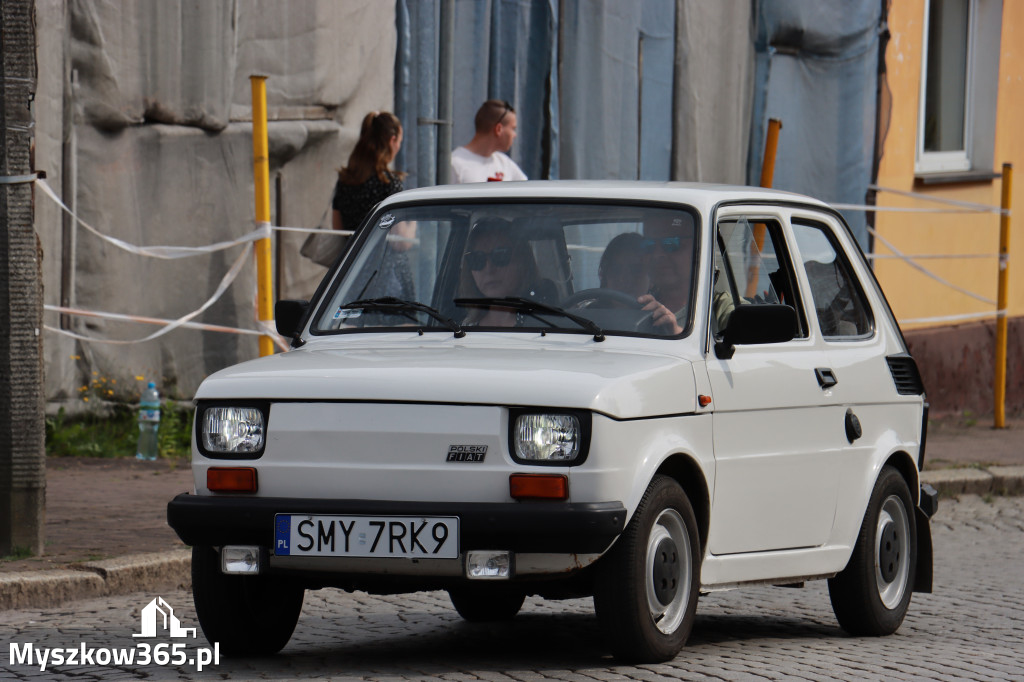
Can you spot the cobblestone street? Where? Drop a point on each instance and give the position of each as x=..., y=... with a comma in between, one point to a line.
x=971, y=628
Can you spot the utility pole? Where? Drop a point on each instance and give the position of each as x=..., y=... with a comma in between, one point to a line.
x=22, y=435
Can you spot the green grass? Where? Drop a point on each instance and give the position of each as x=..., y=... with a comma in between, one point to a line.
x=17, y=553
x=115, y=433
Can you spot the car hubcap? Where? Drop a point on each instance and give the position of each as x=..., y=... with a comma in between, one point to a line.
x=892, y=551
x=668, y=571
x=665, y=578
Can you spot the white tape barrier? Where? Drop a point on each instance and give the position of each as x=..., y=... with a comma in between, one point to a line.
x=121, y=317
x=262, y=231
x=898, y=209
x=969, y=205
x=225, y=282
x=268, y=329
x=931, y=256
x=961, y=206
x=340, y=233
x=925, y=271
x=955, y=318
x=202, y=326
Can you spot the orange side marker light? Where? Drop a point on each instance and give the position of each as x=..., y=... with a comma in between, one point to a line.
x=538, y=486
x=231, y=479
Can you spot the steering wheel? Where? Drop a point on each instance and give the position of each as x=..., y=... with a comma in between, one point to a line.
x=601, y=295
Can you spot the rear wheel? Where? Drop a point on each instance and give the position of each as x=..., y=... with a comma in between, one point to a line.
x=872, y=594
x=647, y=585
x=247, y=615
x=481, y=603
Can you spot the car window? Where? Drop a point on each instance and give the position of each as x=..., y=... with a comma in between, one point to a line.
x=839, y=302
x=592, y=261
x=750, y=269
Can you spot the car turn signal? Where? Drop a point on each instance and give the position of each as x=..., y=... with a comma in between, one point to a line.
x=231, y=479
x=538, y=486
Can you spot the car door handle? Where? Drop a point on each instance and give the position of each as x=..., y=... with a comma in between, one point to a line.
x=826, y=377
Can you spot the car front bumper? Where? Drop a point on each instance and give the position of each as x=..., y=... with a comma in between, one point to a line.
x=525, y=527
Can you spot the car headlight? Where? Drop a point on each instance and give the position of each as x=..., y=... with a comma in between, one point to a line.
x=550, y=437
x=232, y=430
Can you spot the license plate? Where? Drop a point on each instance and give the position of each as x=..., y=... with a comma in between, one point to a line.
x=428, y=537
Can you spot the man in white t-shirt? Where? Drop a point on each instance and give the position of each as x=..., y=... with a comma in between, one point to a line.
x=484, y=159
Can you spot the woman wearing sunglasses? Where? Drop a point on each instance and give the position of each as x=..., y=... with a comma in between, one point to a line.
x=496, y=264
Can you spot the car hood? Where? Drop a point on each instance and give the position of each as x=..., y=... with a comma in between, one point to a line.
x=622, y=384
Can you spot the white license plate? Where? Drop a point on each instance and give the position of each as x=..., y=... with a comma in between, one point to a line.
x=428, y=537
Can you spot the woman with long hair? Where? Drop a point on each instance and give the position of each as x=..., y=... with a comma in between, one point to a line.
x=365, y=182
x=368, y=178
x=497, y=263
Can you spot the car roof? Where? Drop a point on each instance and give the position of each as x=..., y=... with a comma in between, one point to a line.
x=700, y=195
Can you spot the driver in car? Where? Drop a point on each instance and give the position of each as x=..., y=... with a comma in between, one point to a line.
x=623, y=267
x=668, y=245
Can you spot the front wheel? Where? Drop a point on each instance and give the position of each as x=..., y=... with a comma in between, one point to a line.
x=247, y=615
x=872, y=594
x=647, y=585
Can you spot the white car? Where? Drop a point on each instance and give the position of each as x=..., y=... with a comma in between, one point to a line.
x=641, y=392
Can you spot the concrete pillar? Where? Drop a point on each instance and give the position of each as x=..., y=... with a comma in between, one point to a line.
x=22, y=434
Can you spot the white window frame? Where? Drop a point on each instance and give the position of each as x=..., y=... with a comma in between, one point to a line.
x=980, y=93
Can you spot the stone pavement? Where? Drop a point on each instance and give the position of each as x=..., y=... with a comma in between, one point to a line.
x=106, y=529
x=969, y=628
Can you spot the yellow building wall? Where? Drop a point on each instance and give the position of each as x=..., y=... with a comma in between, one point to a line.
x=912, y=294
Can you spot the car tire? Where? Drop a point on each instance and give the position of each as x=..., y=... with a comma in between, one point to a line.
x=871, y=596
x=647, y=586
x=483, y=603
x=247, y=615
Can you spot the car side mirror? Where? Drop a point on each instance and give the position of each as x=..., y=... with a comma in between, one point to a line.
x=288, y=316
x=757, y=323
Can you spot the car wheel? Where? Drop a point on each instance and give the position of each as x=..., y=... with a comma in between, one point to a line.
x=481, y=603
x=872, y=594
x=247, y=615
x=647, y=585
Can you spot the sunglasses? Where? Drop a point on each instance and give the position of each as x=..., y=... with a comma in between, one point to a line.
x=508, y=108
x=666, y=244
x=499, y=257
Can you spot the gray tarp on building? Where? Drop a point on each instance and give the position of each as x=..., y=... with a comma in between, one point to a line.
x=164, y=156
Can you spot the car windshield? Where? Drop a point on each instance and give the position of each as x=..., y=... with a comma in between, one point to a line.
x=598, y=269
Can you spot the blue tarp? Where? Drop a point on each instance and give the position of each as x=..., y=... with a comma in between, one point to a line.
x=592, y=82
x=504, y=49
x=609, y=117
x=816, y=71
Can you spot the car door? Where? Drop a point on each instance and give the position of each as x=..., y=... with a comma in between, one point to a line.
x=775, y=439
x=859, y=351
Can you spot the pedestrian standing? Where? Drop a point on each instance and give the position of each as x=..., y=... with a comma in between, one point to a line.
x=368, y=177
x=484, y=158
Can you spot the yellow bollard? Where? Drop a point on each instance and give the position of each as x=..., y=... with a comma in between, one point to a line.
x=1002, y=302
x=261, y=176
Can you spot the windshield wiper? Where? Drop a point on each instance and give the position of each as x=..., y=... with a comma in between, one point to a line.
x=402, y=307
x=529, y=307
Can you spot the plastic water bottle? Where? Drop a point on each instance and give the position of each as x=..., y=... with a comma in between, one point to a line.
x=149, y=423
